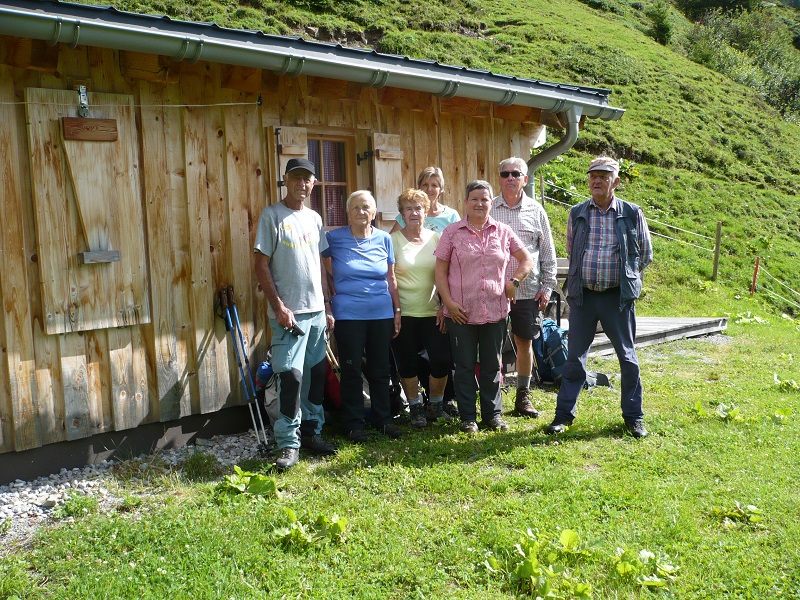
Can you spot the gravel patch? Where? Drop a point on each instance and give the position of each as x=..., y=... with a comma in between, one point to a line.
x=27, y=505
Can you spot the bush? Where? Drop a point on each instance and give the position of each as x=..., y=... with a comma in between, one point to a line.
x=694, y=9
x=661, y=28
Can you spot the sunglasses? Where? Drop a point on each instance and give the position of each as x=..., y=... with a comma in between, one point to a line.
x=514, y=174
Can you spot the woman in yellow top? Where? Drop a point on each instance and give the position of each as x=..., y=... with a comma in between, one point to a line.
x=422, y=320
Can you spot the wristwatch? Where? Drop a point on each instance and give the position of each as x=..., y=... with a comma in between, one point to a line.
x=515, y=281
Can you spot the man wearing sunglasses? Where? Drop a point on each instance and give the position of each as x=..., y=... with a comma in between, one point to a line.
x=529, y=221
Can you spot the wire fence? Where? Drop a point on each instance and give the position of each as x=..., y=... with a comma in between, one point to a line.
x=792, y=301
x=581, y=198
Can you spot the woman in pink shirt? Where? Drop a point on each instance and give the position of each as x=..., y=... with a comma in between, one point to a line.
x=471, y=261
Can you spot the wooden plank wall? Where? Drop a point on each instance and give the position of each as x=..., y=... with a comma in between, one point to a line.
x=205, y=174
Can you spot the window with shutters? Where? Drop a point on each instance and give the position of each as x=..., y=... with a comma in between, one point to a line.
x=332, y=156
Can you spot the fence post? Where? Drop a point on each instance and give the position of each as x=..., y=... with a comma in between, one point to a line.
x=541, y=187
x=716, y=251
x=755, y=278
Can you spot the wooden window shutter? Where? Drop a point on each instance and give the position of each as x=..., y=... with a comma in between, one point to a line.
x=88, y=205
x=293, y=143
x=387, y=173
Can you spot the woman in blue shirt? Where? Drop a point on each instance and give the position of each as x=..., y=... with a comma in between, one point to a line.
x=366, y=306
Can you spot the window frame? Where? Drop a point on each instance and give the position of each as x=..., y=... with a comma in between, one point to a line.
x=349, y=141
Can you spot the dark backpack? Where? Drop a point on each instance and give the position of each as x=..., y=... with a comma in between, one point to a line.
x=550, y=351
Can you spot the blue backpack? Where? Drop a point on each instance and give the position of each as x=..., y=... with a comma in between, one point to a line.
x=550, y=351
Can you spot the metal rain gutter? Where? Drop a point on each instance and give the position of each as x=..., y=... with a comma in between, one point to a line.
x=295, y=57
x=573, y=116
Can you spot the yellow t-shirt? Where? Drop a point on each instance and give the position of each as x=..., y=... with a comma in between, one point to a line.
x=414, y=266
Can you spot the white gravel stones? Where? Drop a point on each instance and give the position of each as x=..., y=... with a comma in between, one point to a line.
x=28, y=504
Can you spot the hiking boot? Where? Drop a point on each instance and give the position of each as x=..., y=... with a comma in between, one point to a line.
x=418, y=415
x=469, y=427
x=451, y=409
x=287, y=458
x=392, y=431
x=435, y=411
x=317, y=444
x=495, y=424
x=523, y=406
x=557, y=426
x=636, y=428
x=357, y=436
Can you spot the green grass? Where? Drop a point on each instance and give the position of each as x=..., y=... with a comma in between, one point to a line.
x=424, y=513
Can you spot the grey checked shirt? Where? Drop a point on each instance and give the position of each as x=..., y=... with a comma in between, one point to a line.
x=529, y=221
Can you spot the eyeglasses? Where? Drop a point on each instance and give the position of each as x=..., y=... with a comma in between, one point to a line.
x=514, y=174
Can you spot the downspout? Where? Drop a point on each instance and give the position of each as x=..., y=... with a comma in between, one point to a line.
x=573, y=116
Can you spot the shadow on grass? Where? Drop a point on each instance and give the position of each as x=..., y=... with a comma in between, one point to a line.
x=443, y=444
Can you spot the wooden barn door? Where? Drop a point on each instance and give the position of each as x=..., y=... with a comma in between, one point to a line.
x=89, y=225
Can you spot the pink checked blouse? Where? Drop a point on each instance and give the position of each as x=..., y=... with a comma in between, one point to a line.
x=476, y=274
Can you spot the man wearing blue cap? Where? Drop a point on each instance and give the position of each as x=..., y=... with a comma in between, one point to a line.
x=609, y=246
x=289, y=240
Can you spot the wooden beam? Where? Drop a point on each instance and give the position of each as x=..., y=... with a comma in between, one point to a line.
x=333, y=89
x=242, y=79
x=409, y=99
x=35, y=55
x=465, y=106
x=147, y=67
x=520, y=114
x=89, y=130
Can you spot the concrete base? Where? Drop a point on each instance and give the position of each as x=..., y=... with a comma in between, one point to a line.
x=49, y=459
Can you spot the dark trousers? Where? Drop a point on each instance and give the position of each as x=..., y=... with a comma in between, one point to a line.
x=620, y=327
x=354, y=339
x=468, y=344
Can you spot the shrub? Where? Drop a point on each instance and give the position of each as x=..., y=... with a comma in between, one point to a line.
x=661, y=28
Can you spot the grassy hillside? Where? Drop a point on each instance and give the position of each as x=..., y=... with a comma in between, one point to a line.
x=708, y=149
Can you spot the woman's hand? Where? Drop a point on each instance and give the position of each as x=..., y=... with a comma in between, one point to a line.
x=441, y=323
x=397, y=321
x=457, y=313
x=511, y=291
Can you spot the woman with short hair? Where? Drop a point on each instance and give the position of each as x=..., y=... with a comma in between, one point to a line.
x=422, y=316
x=471, y=260
x=366, y=306
x=438, y=216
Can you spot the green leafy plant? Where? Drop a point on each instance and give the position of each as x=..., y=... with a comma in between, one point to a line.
x=781, y=415
x=738, y=516
x=76, y=505
x=749, y=319
x=5, y=526
x=301, y=535
x=729, y=413
x=536, y=565
x=698, y=410
x=644, y=568
x=247, y=482
x=786, y=385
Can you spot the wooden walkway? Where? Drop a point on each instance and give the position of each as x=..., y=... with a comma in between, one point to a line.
x=657, y=330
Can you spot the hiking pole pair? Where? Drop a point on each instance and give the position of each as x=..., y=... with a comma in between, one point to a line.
x=230, y=314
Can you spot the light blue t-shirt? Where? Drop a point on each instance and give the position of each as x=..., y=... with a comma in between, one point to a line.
x=293, y=240
x=437, y=222
x=359, y=274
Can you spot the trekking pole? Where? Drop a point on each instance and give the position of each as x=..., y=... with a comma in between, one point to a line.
x=248, y=372
x=226, y=314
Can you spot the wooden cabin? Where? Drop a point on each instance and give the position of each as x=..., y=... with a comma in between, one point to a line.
x=136, y=155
